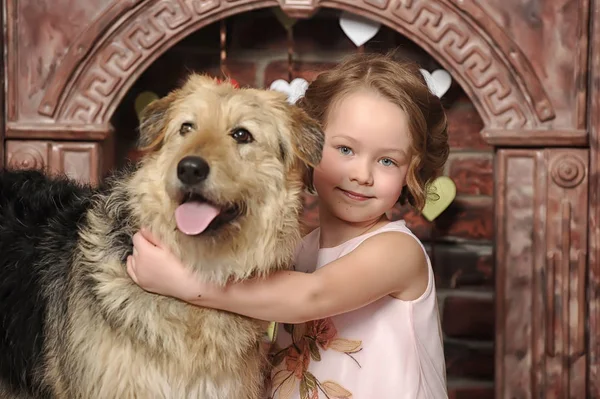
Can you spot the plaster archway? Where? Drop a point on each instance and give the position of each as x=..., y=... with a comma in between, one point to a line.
x=100, y=69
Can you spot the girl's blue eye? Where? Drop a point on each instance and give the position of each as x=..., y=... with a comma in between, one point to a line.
x=387, y=162
x=345, y=150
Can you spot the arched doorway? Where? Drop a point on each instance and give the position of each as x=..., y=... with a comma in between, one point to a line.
x=67, y=113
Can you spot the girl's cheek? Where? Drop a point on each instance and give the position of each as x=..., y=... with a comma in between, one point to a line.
x=328, y=171
x=327, y=164
x=391, y=184
x=323, y=173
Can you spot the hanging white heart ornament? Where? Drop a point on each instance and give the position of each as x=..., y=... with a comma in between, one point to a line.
x=294, y=90
x=439, y=81
x=358, y=29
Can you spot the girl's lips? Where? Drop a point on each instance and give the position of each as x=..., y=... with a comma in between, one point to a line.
x=355, y=196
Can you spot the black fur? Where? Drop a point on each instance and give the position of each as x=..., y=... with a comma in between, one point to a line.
x=40, y=219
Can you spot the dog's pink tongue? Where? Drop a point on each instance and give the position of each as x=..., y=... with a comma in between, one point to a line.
x=194, y=217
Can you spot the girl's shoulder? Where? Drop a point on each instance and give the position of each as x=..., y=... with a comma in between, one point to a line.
x=394, y=239
x=385, y=233
x=400, y=257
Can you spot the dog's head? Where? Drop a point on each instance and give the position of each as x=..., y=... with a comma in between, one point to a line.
x=232, y=161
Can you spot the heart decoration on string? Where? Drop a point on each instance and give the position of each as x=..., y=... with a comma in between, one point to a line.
x=358, y=29
x=142, y=100
x=445, y=189
x=438, y=81
x=288, y=23
x=285, y=20
x=294, y=90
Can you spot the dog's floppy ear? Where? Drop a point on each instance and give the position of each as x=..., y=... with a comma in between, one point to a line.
x=153, y=120
x=307, y=142
x=307, y=137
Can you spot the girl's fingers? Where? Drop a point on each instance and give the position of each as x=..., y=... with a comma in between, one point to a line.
x=131, y=269
x=150, y=237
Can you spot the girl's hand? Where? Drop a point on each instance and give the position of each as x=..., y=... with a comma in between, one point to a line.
x=155, y=269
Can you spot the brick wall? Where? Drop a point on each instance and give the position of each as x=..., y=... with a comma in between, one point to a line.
x=459, y=242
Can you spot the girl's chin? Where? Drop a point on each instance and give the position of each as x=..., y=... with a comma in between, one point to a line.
x=358, y=217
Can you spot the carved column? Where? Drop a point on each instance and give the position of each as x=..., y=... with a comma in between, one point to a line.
x=594, y=207
x=78, y=160
x=541, y=216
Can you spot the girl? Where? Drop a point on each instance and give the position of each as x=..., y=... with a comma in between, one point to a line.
x=359, y=311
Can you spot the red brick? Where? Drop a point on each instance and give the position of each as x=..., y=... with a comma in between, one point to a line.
x=464, y=128
x=473, y=392
x=322, y=34
x=456, y=98
x=242, y=71
x=428, y=249
x=469, y=362
x=306, y=70
x=472, y=174
x=164, y=74
x=467, y=218
x=171, y=70
x=420, y=226
x=457, y=265
x=203, y=40
x=468, y=318
x=258, y=30
x=255, y=30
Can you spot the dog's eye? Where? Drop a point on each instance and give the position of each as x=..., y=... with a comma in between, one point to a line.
x=186, y=128
x=242, y=136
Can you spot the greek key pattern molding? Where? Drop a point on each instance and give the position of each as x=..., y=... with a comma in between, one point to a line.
x=126, y=51
x=466, y=50
x=436, y=24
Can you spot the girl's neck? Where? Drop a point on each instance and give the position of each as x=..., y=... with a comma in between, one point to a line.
x=335, y=231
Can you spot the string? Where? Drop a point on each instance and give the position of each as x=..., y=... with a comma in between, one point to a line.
x=223, y=48
x=290, y=50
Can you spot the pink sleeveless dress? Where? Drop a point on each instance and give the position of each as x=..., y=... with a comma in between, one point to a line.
x=390, y=349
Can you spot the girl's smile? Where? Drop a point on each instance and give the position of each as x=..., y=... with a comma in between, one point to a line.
x=354, y=195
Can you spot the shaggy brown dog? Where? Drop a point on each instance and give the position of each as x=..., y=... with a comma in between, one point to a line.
x=221, y=188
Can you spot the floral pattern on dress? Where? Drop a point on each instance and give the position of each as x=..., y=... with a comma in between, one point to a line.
x=290, y=364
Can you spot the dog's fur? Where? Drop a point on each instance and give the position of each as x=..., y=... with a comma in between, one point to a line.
x=74, y=325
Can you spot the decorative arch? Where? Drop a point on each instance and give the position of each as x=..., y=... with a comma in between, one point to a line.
x=99, y=69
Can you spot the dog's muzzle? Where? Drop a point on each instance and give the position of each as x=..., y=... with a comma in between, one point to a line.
x=196, y=213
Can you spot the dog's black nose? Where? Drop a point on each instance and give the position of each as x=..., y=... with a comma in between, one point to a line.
x=192, y=170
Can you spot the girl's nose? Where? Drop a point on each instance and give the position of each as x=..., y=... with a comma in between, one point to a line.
x=362, y=174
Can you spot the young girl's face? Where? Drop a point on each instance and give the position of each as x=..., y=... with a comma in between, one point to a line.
x=365, y=158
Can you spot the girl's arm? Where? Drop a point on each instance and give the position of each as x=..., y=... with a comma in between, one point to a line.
x=387, y=263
